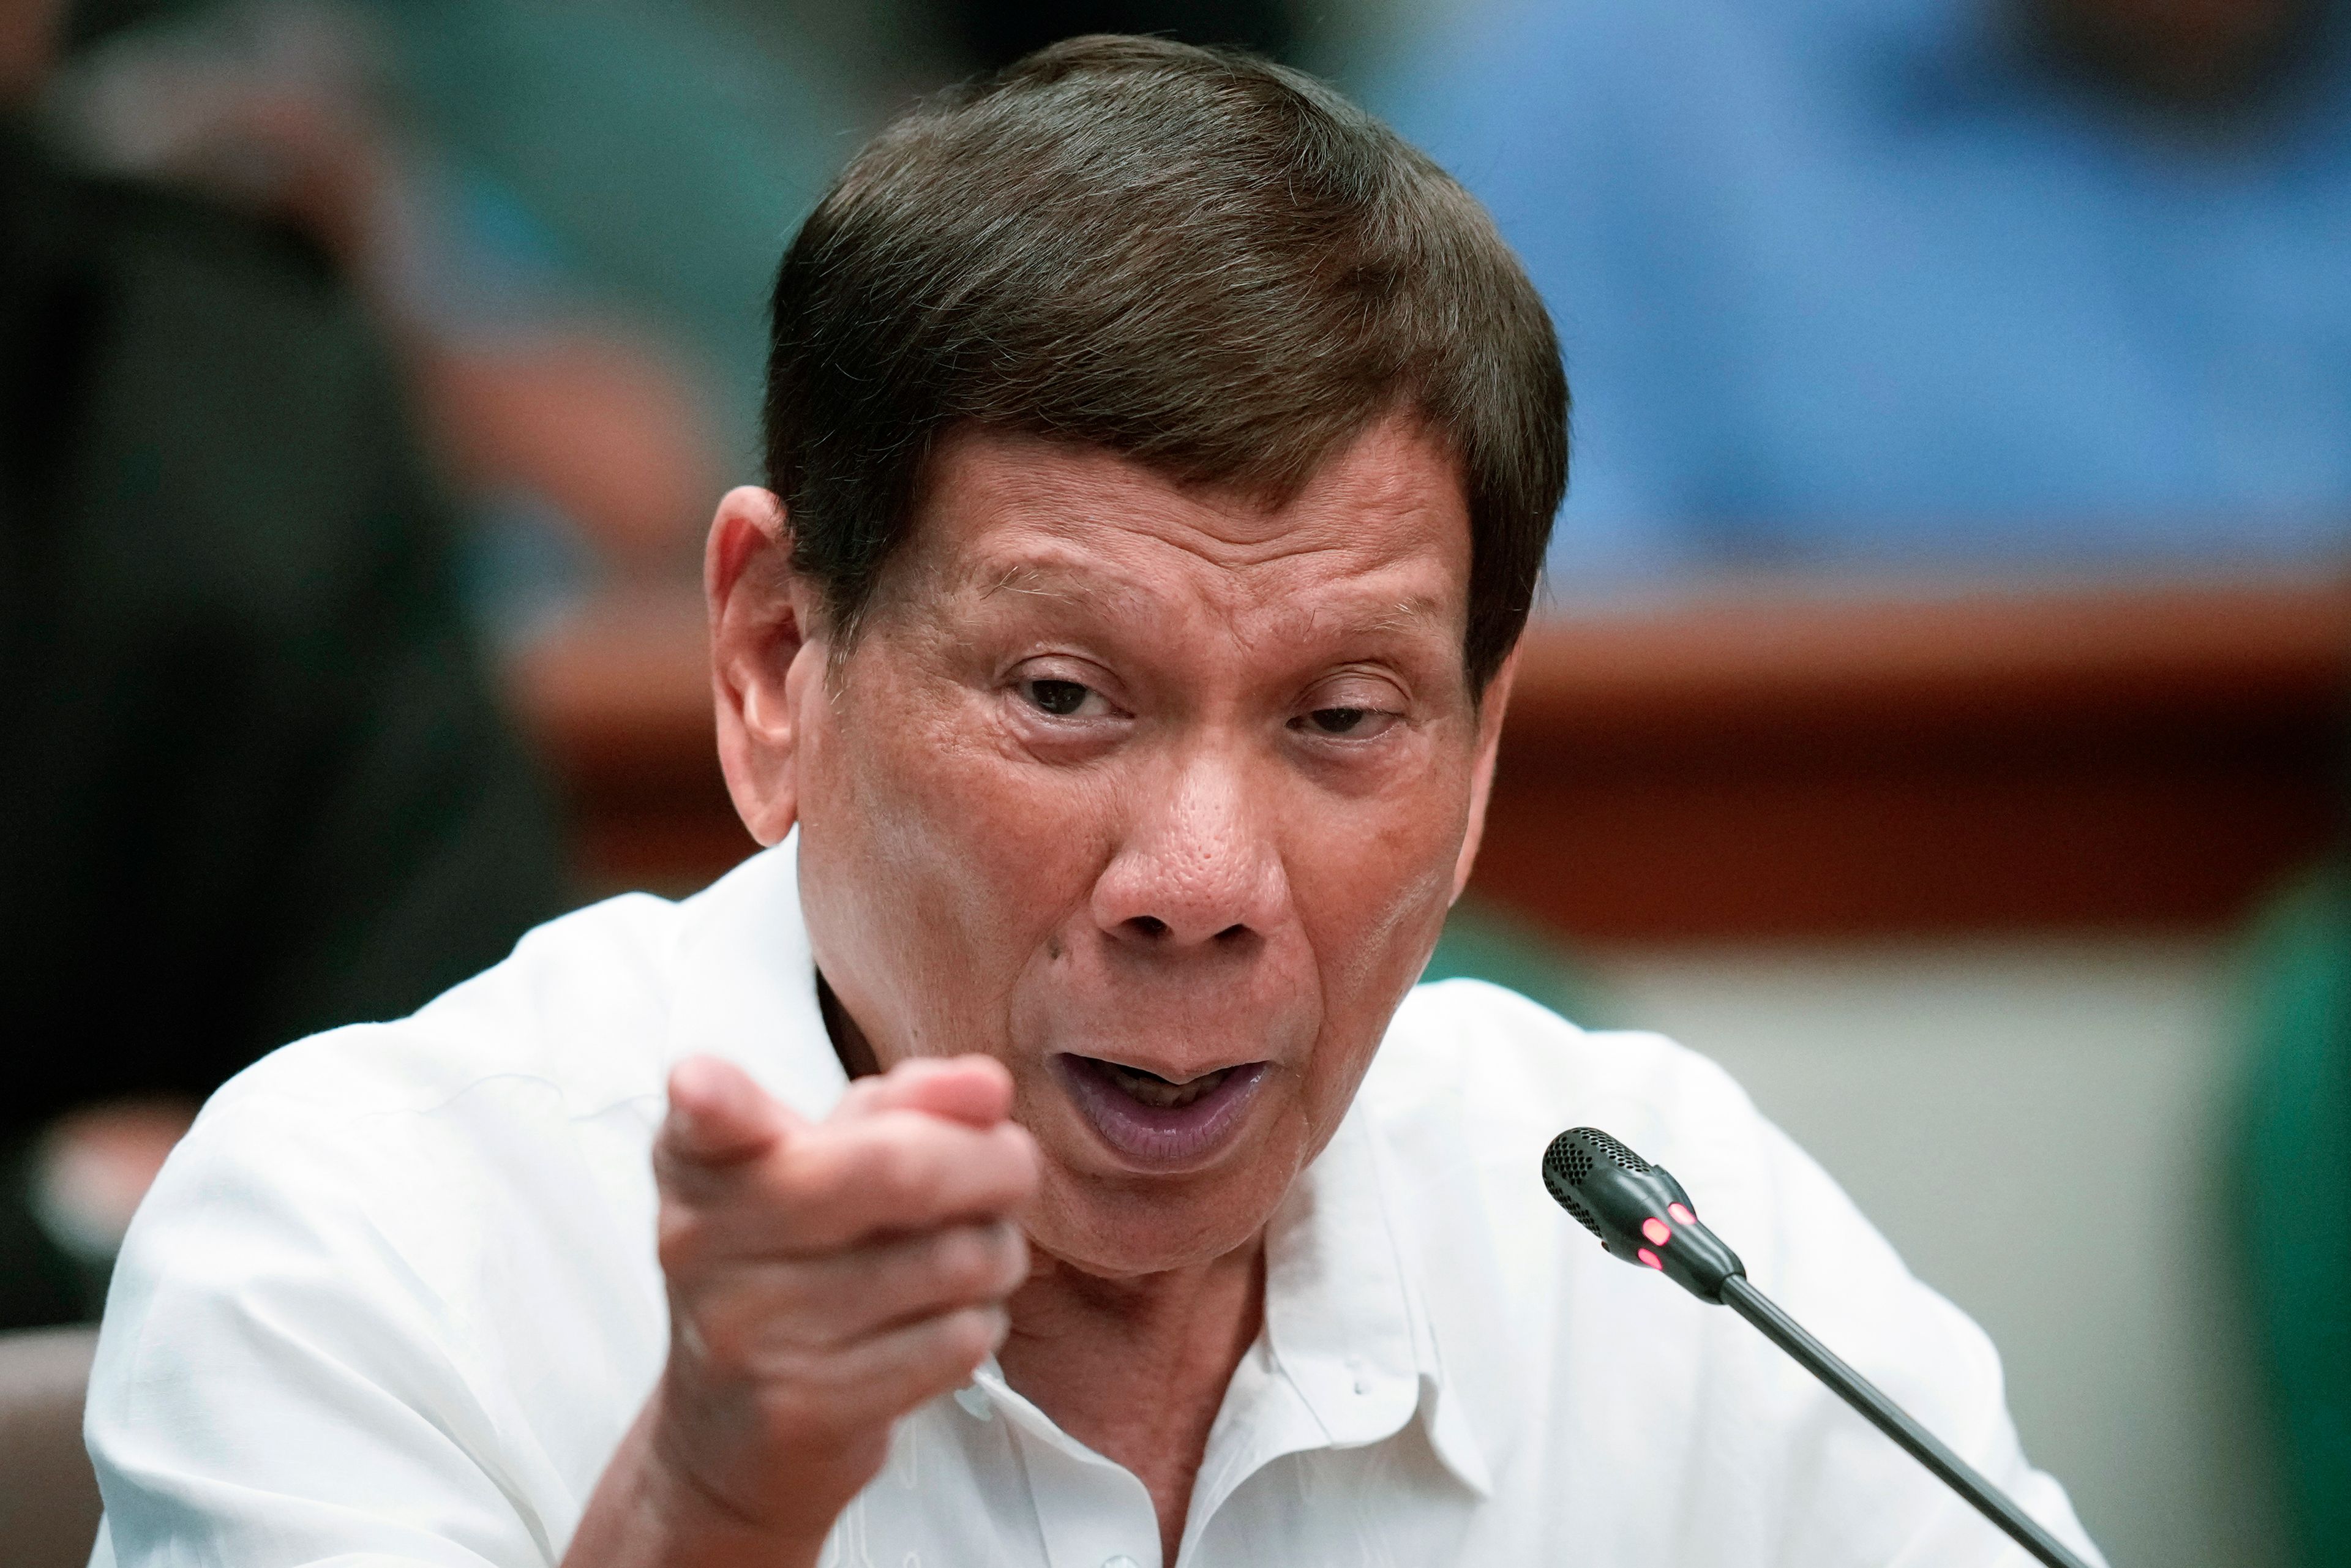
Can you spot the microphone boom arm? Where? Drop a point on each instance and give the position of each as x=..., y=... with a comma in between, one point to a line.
x=1890, y=1418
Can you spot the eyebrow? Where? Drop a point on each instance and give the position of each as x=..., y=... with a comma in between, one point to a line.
x=1059, y=581
x=1063, y=582
x=1404, y=615
x=1027, y=577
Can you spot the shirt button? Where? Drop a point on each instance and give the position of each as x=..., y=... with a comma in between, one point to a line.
x=1362, y=1386
x=1121, y=1560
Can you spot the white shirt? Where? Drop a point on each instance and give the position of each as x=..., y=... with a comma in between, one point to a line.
x=395, y=1301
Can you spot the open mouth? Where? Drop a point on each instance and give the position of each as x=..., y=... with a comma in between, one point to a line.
x=1159, y=1122
x=1159, y=1093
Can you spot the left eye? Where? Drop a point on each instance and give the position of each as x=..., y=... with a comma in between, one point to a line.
x=1060, y=698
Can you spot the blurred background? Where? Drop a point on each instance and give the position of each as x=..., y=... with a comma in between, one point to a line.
x=1935, y=715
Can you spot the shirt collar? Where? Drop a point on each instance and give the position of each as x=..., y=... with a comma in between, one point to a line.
x=1350, y=1302
x=745, y=984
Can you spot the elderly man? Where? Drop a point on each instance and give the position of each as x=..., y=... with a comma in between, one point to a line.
x=1039, y=1155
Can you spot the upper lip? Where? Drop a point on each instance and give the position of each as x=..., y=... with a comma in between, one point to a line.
x=1170, y=1072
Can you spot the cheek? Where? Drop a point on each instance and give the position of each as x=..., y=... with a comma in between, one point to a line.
x=1372, y=890
x=936, y=868
x=1373, y=880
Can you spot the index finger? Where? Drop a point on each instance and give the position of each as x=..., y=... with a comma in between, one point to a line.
x=973, y=1090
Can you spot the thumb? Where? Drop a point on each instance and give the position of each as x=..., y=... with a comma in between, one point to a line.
x=719, y=1116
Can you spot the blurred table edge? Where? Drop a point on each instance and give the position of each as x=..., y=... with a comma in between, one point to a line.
x=1763, y=765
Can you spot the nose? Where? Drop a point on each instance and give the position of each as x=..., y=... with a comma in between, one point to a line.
x=1198, y=865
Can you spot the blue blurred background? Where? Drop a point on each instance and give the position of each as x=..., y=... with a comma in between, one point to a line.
x=1962, y=287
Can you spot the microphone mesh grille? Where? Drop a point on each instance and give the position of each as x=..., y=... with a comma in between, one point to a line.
x=1615, y=1151
x=1565, y=1164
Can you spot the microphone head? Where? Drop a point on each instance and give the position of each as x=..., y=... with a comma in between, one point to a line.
x=1638, y=1210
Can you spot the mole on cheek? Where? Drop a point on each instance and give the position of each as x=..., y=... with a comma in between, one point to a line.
x=1052, y=946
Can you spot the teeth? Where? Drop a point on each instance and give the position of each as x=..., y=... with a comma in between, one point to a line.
x=1157, y=1091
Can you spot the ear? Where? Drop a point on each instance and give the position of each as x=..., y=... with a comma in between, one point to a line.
x=1481, y=773
x=763, y=648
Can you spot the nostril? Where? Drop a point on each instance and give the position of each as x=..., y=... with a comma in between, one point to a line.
x=1149, y=924
x=1232, y=933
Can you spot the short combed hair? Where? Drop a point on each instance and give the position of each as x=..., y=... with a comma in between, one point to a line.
x=1193, y=258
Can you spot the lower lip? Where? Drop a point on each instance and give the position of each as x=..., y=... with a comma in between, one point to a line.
x=1172, y=1138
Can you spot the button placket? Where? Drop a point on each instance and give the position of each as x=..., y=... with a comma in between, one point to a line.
x=1089, y=1511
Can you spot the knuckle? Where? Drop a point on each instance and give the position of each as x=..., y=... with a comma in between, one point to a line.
x=723, y=1340
x=1017, y=1156
x=914, y=1175
x=681, y=1239
x=1012, y=1253
x=970, y=1335
x=828, y=1178
x=798, y=1411
x=965, y=1261
x=901, y=1172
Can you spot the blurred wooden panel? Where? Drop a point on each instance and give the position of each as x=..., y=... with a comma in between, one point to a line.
x=1742, y=767
x=1789, y=768
x=618, y=696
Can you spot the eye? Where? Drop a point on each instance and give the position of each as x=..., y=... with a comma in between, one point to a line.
x=1345, y=723
x=1060, y=698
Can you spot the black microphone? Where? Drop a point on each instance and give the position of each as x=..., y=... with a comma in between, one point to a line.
x=1641, y=1215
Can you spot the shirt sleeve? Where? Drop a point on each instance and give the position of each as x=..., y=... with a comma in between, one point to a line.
x=282, y=1379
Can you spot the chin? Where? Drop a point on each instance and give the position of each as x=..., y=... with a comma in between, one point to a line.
x=1127, y=1226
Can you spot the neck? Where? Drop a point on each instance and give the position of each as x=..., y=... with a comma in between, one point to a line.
x=1137, y=1369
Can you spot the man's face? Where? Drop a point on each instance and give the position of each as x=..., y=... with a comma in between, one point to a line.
x=1159, y=798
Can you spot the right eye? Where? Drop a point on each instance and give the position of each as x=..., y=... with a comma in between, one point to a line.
x=1060, y=698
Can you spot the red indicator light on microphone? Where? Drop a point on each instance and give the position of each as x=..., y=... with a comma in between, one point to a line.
x=1682, y=1216
x=1650, y=1257
x=1657, y=1230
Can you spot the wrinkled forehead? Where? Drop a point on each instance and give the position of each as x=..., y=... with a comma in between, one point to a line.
x=1378, y=535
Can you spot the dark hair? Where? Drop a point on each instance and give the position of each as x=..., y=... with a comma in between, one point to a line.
x=1193, y=258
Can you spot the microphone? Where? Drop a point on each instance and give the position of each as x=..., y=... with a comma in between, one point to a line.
x=1641, y=1215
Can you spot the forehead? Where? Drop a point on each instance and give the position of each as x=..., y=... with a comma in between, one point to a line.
x=1380, y=529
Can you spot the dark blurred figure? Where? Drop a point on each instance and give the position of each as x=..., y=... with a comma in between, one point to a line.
x=253, y=781
x=993, y=36
x=561, y=214
x=1981, y=286
x=2180, y=53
